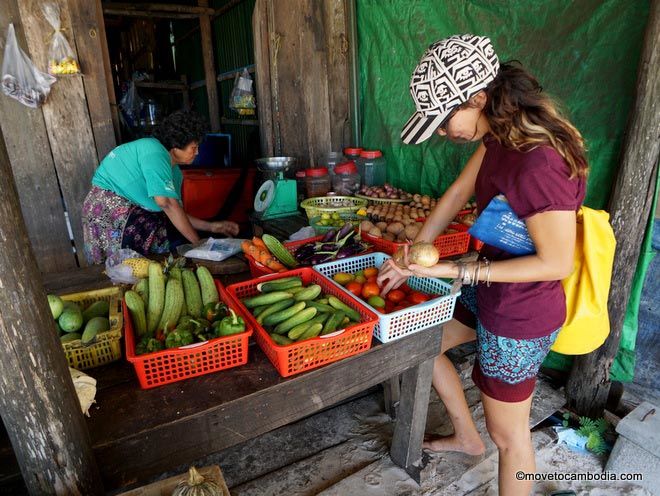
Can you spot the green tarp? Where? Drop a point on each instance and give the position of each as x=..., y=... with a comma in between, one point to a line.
x=585, y=53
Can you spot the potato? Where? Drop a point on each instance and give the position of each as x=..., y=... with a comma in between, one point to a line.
x=375, y=232
x=395, y=228
x=366, y=225
x=388, y=236
x=411, y=231
x=381, y=225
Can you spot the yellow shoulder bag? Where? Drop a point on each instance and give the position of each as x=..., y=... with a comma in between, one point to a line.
x=587, y=288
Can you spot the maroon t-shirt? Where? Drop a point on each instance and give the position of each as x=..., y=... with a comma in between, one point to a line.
x=533, y=182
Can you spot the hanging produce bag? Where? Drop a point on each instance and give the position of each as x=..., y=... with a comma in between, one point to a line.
x=61, y=59
x=20, y=77
x=242, y=95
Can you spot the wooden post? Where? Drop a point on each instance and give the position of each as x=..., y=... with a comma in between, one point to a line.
x=209, y=68
x=38, y=402
x=264, y=96
x=630, y=206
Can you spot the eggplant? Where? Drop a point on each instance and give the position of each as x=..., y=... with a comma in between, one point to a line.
x=329, y=236
x=344, y=231
x=319, y=258
x=305, y=251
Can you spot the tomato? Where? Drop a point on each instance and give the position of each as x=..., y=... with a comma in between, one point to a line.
x=355, y=288
x=373, y=279
x=370, y=289
x=405, y=288
x=396, y=295
x=397, y=308
x=370, y=272
x=416, y=297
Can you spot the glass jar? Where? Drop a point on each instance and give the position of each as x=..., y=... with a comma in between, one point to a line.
x=352, y=153
x=300, y=185
x=346, y=181
x=372, y=168
x=317, y=182
x=330, y=161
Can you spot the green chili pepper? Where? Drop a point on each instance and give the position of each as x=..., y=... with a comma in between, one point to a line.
x=232, y=324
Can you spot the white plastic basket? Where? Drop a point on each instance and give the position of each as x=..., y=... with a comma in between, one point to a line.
x=397, y=324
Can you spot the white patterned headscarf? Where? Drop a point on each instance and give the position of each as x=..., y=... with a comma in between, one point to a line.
x=450, y=72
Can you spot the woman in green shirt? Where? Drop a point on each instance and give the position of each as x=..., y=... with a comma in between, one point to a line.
x=137, y=189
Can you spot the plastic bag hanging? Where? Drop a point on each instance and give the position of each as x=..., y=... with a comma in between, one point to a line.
x=20, y=77
x=242, y=95
x=61, y=59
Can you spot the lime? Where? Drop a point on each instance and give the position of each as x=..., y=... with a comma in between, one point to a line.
x=376, y=301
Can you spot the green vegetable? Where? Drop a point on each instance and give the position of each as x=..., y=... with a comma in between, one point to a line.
x=266, y=299
x=278, y=251
x=135, y=305
x=179, y=337
x=299, y=318
x=310, y=292
x=156, y=296
x=71, y=319
x=333, y=322
x=271, y=309
x=56, y=305
x=282, y=315
x=311, y=332
x=207, y=285
x=339, y=305
x=232, y=324
x=280, y=284
x=148, y=345
x=93, y=327
x=281, y=340
x=192, y=293
x=214, y=310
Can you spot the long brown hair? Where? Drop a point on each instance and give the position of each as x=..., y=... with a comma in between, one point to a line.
x=522, y=117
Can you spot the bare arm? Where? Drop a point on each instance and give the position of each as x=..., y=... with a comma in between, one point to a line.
x=217, y=227
x=178, y=217
x=454, y=198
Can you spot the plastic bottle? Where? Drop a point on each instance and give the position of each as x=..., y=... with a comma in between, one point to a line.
x=330, y=160
x=346, y=181
x=317, y=182
x=372, y=168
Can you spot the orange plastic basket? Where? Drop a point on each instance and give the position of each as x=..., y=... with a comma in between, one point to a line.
x=176, y=364
x=447, y=244
x=312, y=353
x=257, y=269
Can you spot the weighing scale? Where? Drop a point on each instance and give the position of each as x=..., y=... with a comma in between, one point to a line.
x=277, y=197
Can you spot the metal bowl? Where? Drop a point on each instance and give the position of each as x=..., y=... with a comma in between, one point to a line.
x=274, y=164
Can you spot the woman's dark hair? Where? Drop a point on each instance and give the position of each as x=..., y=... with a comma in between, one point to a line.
x=179, y=129
x=522, y=117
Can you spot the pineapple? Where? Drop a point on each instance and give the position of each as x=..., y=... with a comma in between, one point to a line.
x=139, y=266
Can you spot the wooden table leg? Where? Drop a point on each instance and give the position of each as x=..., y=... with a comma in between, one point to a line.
x=406, y=450
x=391, y=395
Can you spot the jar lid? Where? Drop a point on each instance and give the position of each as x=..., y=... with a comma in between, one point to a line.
x=316, y=172
x=352, y=151
x=346, y=168
x=371, y=154
x=300, y=173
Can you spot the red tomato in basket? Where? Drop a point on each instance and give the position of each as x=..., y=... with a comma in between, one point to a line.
x=355, y=288
x=415, y=297
x=396, y=295
x=370, y=289
x=405, y=288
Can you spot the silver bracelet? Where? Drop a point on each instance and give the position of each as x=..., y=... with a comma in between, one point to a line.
x=477, y=273
x=461, y=270
x=487, y=262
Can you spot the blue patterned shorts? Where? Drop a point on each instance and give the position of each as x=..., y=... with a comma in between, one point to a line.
x=505, y=368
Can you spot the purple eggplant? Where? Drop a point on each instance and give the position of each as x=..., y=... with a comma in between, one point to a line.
x=319, y=258
x=329, y=236
x=344, y=231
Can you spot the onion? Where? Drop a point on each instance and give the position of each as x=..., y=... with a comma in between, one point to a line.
x=424, y=254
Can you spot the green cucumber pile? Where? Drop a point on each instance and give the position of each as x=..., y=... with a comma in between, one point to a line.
x=179, y=309
x=291, y=312
x=75, y=324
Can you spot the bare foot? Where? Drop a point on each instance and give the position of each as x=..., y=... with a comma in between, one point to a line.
x=472, y=446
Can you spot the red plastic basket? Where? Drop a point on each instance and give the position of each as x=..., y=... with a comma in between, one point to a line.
x=176, y=364
x=312, y=353
x=257, y=269
x=447, y=244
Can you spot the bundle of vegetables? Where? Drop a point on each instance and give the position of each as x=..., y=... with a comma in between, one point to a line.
x=178, y=308
x=258, y=250
x=290, y=311
x=73, y=323
x=333, y=246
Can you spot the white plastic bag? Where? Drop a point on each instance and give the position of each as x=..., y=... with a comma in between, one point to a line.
x=119, y=272
x=212, y=249
x=241, y=99
x=20, y=77
x=61, y=59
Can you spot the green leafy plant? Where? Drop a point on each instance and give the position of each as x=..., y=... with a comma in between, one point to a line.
x=593, y=430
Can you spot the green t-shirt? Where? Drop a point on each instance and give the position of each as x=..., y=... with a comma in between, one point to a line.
x=138, y=171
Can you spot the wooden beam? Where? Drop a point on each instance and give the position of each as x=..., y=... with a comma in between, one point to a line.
x=162, y=85
x=38, y=402
x=128, y=8
x=209, y=68
x=34, y=171
x=262, y=63
x=630, y=206
x=218, y=12
x=109, y=11
x=90, y=40
x=107, y=67
x=67, y=120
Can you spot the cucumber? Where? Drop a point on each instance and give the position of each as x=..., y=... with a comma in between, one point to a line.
x=321, y=307
x=280, y=340
x=299, y=318
x=257, y=311
x=297, y=331
x=274, y=308
x=309, y=293
x=278, y=251
x=282, y=315
x=135, y=306
x=207, y=285
x=339, y=305
x=280, y=284
x=333, y=322
x=266, y=299
x=311, y=332
x=296, y=289
x=192, y=293
x=156, y=296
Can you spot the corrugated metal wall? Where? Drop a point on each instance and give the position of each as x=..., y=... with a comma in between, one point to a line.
x=233, y=49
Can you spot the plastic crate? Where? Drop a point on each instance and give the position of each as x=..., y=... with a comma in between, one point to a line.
x=326, y=204
x=175, y=364
x=106, y=348
x=397, y=324
x=257, y=269
x=447, y=244
x=312, y=353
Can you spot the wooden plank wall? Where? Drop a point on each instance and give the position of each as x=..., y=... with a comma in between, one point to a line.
x=55, y=149
x=302, y=76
